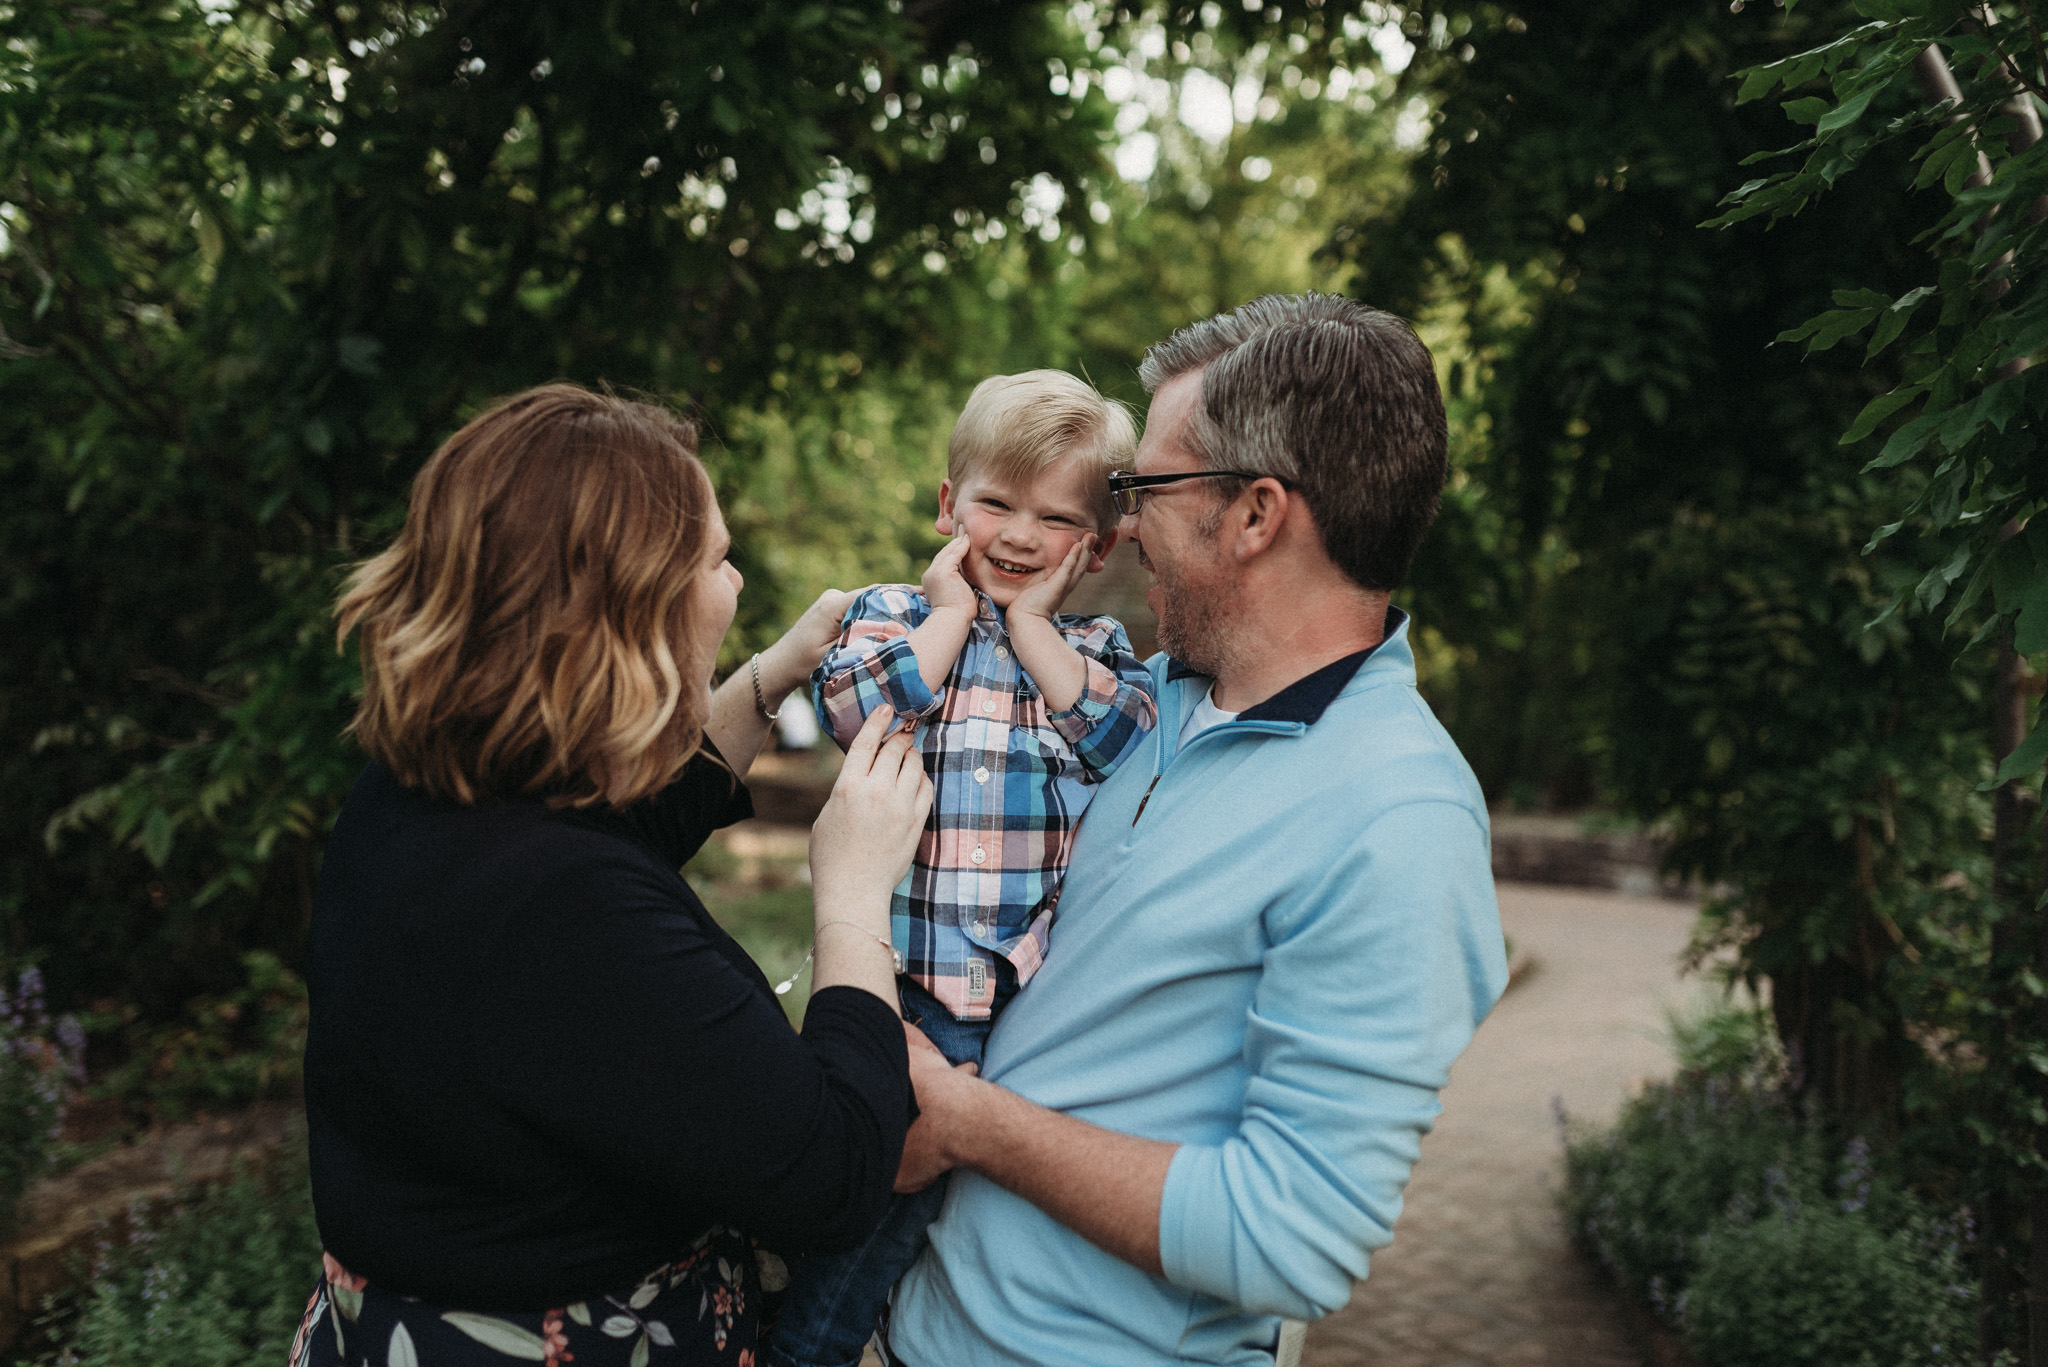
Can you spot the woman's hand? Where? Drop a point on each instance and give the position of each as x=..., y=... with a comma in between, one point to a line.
x=786, y=664
x=737, y=725
x=861, y=846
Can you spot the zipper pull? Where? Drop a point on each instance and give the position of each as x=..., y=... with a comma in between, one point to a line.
x=1145, y=799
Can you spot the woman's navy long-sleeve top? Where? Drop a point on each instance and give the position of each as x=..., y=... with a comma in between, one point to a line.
x=537, y=1068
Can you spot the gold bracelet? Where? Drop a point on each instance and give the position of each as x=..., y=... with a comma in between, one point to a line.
x=895, y=955
x=761, y=702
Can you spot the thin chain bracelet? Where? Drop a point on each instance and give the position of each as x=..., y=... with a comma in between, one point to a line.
x=895, y=954
x=760, y=702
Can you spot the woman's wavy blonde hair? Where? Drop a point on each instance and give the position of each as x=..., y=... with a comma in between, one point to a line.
x=521, y=635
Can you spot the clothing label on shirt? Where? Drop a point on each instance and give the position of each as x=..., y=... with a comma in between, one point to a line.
x=977, y=980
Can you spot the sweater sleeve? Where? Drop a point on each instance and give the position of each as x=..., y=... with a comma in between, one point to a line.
x=873, y=663
x=624, y=1034
x=1345, y=1067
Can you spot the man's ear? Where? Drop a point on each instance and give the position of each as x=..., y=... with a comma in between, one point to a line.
x=1105, y=542
x=944, y=524
x=1266, y=505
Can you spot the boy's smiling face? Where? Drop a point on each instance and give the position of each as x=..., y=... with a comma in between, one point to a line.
x=1019, y=533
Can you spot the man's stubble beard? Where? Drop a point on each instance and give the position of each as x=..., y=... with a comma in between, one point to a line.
x=1193, y=627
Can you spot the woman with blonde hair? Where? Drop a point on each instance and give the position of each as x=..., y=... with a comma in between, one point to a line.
x=555, y=1112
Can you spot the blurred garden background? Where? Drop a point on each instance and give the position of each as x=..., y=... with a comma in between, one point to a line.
x=1736, y=551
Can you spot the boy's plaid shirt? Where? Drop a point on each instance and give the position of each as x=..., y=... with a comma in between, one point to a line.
x=1010, y=780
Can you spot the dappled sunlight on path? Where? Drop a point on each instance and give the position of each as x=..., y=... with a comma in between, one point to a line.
x=1480, y=1273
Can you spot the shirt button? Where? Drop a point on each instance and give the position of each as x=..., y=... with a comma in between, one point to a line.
x=1002, y=652
x=988, y=705
x=981, y=774
x=981, y=927
x=980, y=855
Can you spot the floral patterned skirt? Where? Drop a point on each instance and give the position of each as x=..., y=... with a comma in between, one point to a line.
x=704, y=1309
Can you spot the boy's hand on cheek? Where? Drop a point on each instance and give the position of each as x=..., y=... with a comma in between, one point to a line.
x=1043, y=598
x=944, y=585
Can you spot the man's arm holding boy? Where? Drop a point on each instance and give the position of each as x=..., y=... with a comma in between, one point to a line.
x=1349, y=1066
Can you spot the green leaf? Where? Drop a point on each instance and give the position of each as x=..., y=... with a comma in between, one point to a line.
x=1908, y=441
x=1808, y=110
x=2030, y=632
x=1893, y=321
x=1972, y=591
x=2024, y=760
x=401, y=1352
x=1824, y=332
x=499, y=1335
x=579, y=1312
x=1757, y=82
x=1877, y=410
x=1847, y=112
x=158, y=829
x=641, y=1352
x=1934, y=586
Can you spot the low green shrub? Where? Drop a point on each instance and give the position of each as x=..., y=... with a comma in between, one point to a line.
x=1642, y=1195
x=217, y=1279
x=40, y=1059
x=227, y=1050
x=1825, y=1284
x=1745, y=1227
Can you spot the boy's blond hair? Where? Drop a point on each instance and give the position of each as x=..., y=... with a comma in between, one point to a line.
x=1014, y=426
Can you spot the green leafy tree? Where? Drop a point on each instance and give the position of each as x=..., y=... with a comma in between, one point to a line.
x=1956, y=428
x=1677, y=597
x=259, y=258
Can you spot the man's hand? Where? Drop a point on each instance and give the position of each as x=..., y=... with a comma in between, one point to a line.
x=1043, y=596
x=936, y=1083
x=944, y=585
x=1104, y=1186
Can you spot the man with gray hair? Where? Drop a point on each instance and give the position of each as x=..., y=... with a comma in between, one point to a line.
x=1278, y=927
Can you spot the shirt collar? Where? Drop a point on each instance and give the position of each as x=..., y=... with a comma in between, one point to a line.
x=1306, y=699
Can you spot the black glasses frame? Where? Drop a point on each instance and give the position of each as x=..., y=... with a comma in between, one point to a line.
x=1126, y=487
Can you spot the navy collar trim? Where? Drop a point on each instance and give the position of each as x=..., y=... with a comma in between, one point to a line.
x=1306, y=699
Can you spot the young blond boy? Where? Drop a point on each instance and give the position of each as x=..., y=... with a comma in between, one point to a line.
x=1024, y=711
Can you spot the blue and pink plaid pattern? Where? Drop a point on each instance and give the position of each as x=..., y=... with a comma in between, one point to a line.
x=1010, y=780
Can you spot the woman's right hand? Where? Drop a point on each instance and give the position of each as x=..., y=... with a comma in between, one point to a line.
x=863, y=842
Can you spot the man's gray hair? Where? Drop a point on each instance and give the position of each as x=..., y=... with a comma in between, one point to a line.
x=1336, y=399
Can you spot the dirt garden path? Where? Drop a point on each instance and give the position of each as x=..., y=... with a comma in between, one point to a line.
x=1480, y=1273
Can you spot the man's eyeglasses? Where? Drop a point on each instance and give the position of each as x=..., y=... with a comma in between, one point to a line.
x=1127, y=487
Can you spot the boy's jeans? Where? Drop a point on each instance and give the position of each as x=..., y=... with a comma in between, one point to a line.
x=835, y=1300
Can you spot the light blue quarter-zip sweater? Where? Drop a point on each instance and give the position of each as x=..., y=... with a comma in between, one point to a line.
x=1270, y=947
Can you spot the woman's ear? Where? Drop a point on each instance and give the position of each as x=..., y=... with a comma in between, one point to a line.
x=1105, y=542
x=944, y=524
